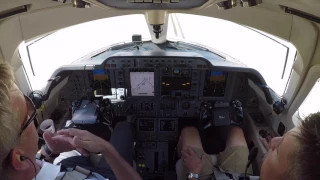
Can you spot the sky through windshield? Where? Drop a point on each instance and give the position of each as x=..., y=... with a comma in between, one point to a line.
x=250, y=47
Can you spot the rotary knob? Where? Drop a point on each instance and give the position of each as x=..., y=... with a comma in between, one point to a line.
x=176, y=71
x=185, y=105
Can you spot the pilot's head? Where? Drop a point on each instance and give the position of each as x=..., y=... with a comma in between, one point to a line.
x=296, y=155
x=18, y=135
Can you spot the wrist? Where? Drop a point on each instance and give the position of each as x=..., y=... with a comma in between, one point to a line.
x=52, y=151
x=49, y=152
x=195, y=171
x=192, y=176
x=107, y=149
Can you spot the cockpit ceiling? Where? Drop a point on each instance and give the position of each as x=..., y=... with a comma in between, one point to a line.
x=153, y=4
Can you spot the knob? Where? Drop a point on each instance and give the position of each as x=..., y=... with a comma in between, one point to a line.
x=185, y=113
x=176, y=71
x=122, y=97
x=185, y=106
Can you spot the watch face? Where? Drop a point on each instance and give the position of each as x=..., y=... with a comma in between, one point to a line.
x=191, y=175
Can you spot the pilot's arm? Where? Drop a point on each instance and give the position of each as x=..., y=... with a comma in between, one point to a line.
x=91, y=143
x=56, y=144
x=191, y=162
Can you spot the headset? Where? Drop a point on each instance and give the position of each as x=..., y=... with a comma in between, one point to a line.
x=23, y=158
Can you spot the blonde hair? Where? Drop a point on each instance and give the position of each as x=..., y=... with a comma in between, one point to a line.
x=9, y=121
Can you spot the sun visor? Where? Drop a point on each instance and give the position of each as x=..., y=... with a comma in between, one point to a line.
x=153, y=4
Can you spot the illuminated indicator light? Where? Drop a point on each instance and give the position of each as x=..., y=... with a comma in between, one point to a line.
x=168, y=84
x=143, y=165
x=139, y=165
x=187, y=83
x=163, y=83
x=183, y=84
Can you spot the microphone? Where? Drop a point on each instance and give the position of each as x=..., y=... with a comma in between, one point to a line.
x=252, y=156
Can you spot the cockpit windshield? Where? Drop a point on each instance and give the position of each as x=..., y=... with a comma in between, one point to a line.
x=271, y=56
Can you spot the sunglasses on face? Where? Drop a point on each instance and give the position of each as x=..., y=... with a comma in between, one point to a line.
x=31, y=116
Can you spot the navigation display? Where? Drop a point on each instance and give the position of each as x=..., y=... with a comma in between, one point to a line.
x=101, y=84
x=142, y=83
x=215, y=84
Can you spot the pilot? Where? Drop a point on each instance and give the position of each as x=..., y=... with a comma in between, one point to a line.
x=295, y=156
x=19, y=143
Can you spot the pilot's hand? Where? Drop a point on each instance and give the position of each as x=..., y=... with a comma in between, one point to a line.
x=60, y=143
x=265, y=143
x=85, y=140
x=191, y=161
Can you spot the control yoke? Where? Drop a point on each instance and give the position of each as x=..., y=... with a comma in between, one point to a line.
x=220, y=114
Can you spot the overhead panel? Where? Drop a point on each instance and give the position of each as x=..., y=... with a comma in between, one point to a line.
x=153, y=4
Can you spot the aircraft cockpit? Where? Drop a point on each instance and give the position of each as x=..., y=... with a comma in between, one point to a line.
x=161, y=85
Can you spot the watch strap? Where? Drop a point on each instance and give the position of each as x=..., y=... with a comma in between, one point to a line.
x=49, y=152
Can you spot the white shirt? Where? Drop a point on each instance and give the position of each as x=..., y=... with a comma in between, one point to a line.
x=52, y=172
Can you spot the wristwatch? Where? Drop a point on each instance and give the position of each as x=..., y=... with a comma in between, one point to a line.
x=192, y=175
x=49, y=152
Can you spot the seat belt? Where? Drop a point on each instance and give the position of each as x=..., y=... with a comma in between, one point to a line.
x=78, y=173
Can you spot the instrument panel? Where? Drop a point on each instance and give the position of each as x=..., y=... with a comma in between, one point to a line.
x=157, y=87
x=160, y=94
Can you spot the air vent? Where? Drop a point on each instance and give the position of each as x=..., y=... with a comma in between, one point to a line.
x=13, y=11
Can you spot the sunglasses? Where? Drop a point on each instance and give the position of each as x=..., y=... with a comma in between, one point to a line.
x=31, y=116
